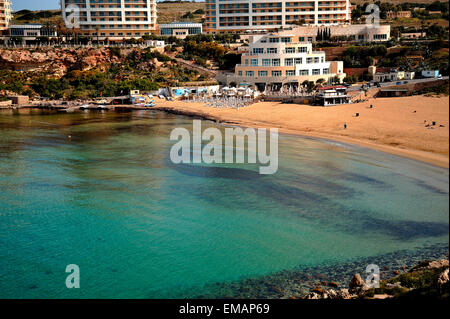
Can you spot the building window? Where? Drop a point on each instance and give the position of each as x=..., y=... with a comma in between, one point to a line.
x=249, y=73
x=276, y=62
x=266, y=62
x=262, y=73
x=316, y=72
x=254, y=62
x=302, y=49
x=288, y=62
x=298, y=60
x=326, y=71
x=258, y=50
x=304, y=72
x=380, y=36
x=290, y=50
x=276, y=73
x=316, y=59
x=272, y=50
x=239, y=73
x=290, y=73
x=309, y=60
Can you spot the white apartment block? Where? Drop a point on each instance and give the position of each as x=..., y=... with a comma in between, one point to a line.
x=393, y=76
x=5, y=14
x=239, y=16
x=277, y=60
x=113, y=19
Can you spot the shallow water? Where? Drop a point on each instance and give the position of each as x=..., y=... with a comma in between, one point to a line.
x=109, y=200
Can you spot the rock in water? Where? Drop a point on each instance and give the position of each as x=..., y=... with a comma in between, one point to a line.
x=427, y=264
x=356, y=282
x=333, y=284
x=443, y=278
x=313, y=295
x=344, y=294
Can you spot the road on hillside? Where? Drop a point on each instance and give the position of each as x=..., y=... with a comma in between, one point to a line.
x=393, y=83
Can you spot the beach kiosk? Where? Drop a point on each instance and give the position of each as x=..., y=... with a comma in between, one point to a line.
x=332, y=95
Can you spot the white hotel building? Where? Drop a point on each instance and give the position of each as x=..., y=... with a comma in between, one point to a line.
x=5, y=14
x=239, y=16
x=114, y=19
x=278, y=60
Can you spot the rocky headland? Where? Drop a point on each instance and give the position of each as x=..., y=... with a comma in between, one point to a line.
x=402, y=274
x=56, y=62
x=426, y=279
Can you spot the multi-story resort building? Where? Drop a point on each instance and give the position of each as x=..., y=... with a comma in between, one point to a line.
x=5, y=14
x=278, y=60
x=113, y=19
x=240, y=16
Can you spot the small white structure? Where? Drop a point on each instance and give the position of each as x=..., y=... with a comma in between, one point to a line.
x=394, y=75
x=409, y=75
x=155, y=43
x=430, y=73
x=332, y=95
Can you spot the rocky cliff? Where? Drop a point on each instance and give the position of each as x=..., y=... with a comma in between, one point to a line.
x=56, y=61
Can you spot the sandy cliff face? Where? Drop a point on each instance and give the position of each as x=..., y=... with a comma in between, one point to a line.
x=56, y=62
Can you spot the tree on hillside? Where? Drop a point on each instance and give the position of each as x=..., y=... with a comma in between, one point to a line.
x=97, y=30
x=61, y=29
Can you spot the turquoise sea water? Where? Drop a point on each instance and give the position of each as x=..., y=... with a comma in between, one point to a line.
x=109, y=200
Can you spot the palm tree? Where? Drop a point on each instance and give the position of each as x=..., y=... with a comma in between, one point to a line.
x=61, y=29
x=47, y=26
x=97, y=28
x=76, y=34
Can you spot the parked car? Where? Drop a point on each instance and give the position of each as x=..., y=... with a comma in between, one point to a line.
x=398, y=83
x=405, y=82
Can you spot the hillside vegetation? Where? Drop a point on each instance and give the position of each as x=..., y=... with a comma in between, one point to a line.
x=168, y=11
x=27, y=16
x=86, y=73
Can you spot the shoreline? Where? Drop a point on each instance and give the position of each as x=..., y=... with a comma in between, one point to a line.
x=384, y=139
x=299, y=282
x=219, y=116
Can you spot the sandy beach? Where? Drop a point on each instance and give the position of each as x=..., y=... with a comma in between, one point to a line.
x=400, y=126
